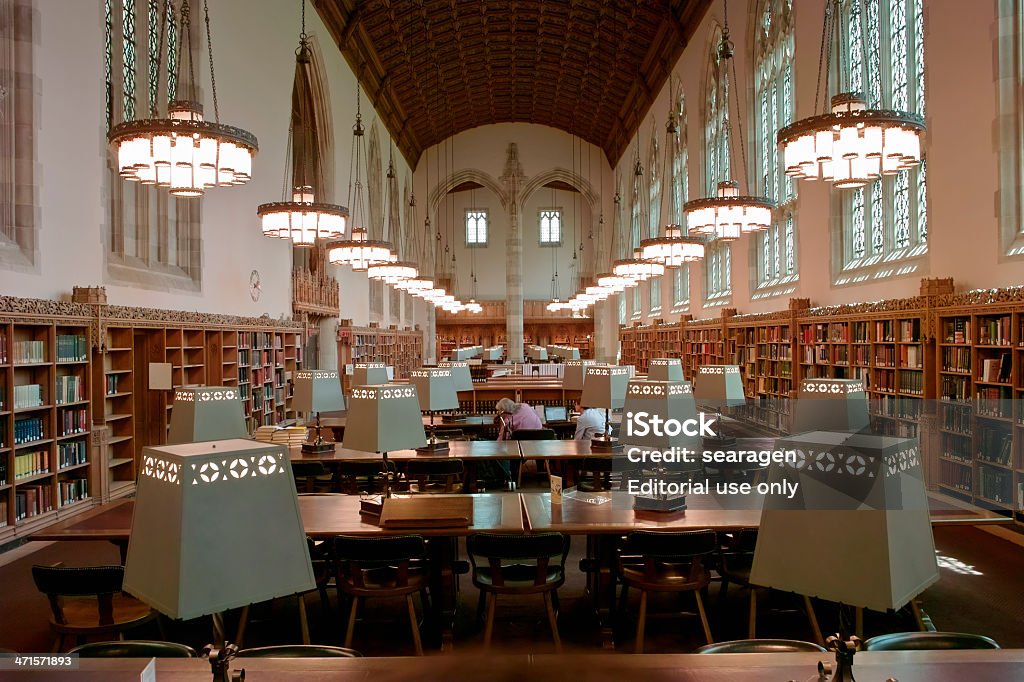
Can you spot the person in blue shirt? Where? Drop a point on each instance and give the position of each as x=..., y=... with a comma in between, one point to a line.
x=590, y=423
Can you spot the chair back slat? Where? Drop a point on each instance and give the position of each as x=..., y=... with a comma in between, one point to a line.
x=78, y=581
x=669, y=546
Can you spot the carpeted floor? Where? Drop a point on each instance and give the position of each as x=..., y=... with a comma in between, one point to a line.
x=980, y=591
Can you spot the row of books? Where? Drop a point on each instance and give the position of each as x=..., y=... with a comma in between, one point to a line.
x=71, y=348
x=897, y=406
x=995, y=446
x=994, y=331
x=956, y=330
x=954, y=388
x=893, y=427
x=956, y=477
x=112, y=381
x=775, y=351
x=775, y=368
x=907, y=356
x=73, y=421
x=73, y=490
x=3, y=511
x=884, y=331
x=28, y=430
x=773, y=334
x=910, y=330
x=3, y=355
x=911, y=382
x=31, y=500
x=994, y=401
x=995, y=484
x=28, y=395
x=956, y=360
x=773, y=385
x=955, y=447
x=818, y=333
x=28, y=352
x=3, y=471
x=996, y=370
x=31, y=464
x=70, y=389
x=957, y=418
x=71, y=454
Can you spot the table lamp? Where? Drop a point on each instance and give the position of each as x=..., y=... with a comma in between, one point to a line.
x=369, y=374
x=719, y=386
x=216, y=526
x=669, y=400
x=203, y=413
x=857, y=530
x=435, y=388
x=605, y=387
x=831, y=405
x=461, y=375
x=574, y=373
x=537, y=353
x=317, y=390
x=382, y=419
x=665, y=369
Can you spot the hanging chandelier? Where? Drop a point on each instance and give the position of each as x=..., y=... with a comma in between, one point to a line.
x=395, y=270
x=184, y=152
x=614, y=283
x=636, y=268
x=728, y=214
x=303, y=220
x=415, y=284
x=851, y=145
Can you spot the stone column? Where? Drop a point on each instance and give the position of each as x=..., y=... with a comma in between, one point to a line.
x=328, y=344
x=513, y=179
x=430, y=343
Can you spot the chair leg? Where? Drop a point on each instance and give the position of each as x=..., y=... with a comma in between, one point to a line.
x=243, y=621
x=350, y=630
x=641, y=621
x=489, y=621
x=553, y=621
x=555, y=602
x=752, y=627
x=812, y=620
x=414, y=625
x=703, y=617
x=303, y=621
x=481, y=605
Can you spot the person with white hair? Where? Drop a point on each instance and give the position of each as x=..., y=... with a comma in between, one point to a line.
x=513, y=416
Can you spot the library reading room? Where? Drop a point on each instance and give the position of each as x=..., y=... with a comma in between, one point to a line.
x=495, y=340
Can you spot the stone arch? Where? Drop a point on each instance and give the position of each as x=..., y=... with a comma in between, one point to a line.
x=441, y=189
x=558, y=174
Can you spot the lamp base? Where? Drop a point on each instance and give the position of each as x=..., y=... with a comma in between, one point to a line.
x=435, y=446
x=317, y=448
x=372, y=505
x=605, y=445
x=671, y=503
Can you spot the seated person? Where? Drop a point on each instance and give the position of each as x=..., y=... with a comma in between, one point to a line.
x=590, y=423
x=513, y=416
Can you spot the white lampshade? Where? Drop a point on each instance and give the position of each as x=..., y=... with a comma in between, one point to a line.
x=605, y=387
x=831, y=405
x=369, y=374
x=665, y=399
x=317, y=390
x=537, y=353
x=435, y=388
x=216, y=526
x=665, y=369
x=203, y=413
x=461, y=375
x=383, y=419
x=719, y=386
x=575, y=373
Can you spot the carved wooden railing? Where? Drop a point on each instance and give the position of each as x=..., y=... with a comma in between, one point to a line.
x=314, y=293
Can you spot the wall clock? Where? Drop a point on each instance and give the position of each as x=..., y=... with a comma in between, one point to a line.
x=255, y=288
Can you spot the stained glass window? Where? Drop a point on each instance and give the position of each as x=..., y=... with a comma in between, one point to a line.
x=172, y=56
x=874, y=54
x=776, y=253
x=110, y=99
x=550, y=226
x=654, y=284
x=766, y=256
x=681, y=285
x=716, y=124
x=153, y=20
x=858, y=223
x=680, y=180
x=654, y=190
x=898, y=54
x=622, y=308
x=636, y=301
x=790, y=246
x=901, y=210
x=128, y=26
x=922, y=202
x=877, y=224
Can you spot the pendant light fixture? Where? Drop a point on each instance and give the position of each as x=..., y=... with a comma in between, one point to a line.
x=302, y=219
x=398, y=270
x=851, y=145
x=358, y=251
x=636, y=268
x=673, y=248
x=182, y=151
x=729, y=214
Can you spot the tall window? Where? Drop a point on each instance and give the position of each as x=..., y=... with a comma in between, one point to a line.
x=622, y=308
x=154, y=238
x=680, y=183
x=887, y=219
x=476, y=227
x=1011, y=127
x=636, y=213
x=550, y=220
x=653, y=188
x=718, y=257
x=654, y=286
x=773, y=95
x=636, y=303
x=680, y=287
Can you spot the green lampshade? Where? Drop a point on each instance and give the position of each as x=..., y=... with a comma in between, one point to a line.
x=317, y=390
x=574, y=374
x=384, y=418
x=460, y=374
x=537, y=353
x=831, y=405
x=565, y=352
x=665, y=369
x=203, y=413
x=466, y=352
x=216, y=526
x=435, y=388
x=494, y=353
x=719, y=386
x=369, y=374
x=665, y=399
x=605, y=387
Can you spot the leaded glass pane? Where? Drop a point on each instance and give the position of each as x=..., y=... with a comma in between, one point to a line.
x=874, y=93
x=476, y=227
x=726, y=285
x=858, y=223
x=919, y=54
x=655, y=283
x=128, y=32
x=922, y=203
x=771, y=157
x=766, y=257
x=153, y=17
x=877, y=222
x=791, y=246
x=856, y=39
x=550, y=226
x=681, y=285
x=776, y=255
x=716, y=271
x=901, y=205
x=107, y=60
x=172, y=57
x=765, y=144
x=898, y=52
x=622, y=308
x=787, y=113
x=636, y=300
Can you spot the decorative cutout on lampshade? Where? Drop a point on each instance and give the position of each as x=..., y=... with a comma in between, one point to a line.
x=384, y=418
x=719, y=386
x=857, y=531
x=605, y=387
x=369, y=374
x=461, y=375
x=831, y=405
x=216, y=526
x=204, y=413
x=435, y=388
x=665, y=369
x=575, y=373
x=317, y=390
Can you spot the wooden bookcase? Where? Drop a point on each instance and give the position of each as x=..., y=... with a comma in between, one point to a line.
x=400, y=348
x=47, y=467
x=764, y=347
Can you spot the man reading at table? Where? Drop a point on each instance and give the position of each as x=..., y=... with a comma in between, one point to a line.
x=590, y=422
x=513, y=416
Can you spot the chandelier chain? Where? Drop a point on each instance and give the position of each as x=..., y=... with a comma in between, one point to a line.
x=209, y=50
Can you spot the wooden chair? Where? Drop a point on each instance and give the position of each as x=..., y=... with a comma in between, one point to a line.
x=299, y=651
x=382, y=567
x=666, y=562
x=518, y=564
x=927, y=641
x=759, y=646
x=89, y=601
x=434, y=475
x=134, y=649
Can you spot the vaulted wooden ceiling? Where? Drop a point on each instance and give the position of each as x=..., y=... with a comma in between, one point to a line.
x=433, y=68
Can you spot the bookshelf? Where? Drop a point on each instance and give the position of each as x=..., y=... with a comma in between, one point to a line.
x=46, y=465
x=703, y=344
x=763, y=347
x=400, y=348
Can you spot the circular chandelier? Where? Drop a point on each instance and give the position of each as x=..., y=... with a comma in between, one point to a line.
x=614, y=283
x=184, y=152
x=392, y=272
x=415, y=284
x=674, y=249
x=728, y=215
x=359, y=252
x=556, y=306
x=636, y=268
x=473, y=306
x=851, y=145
